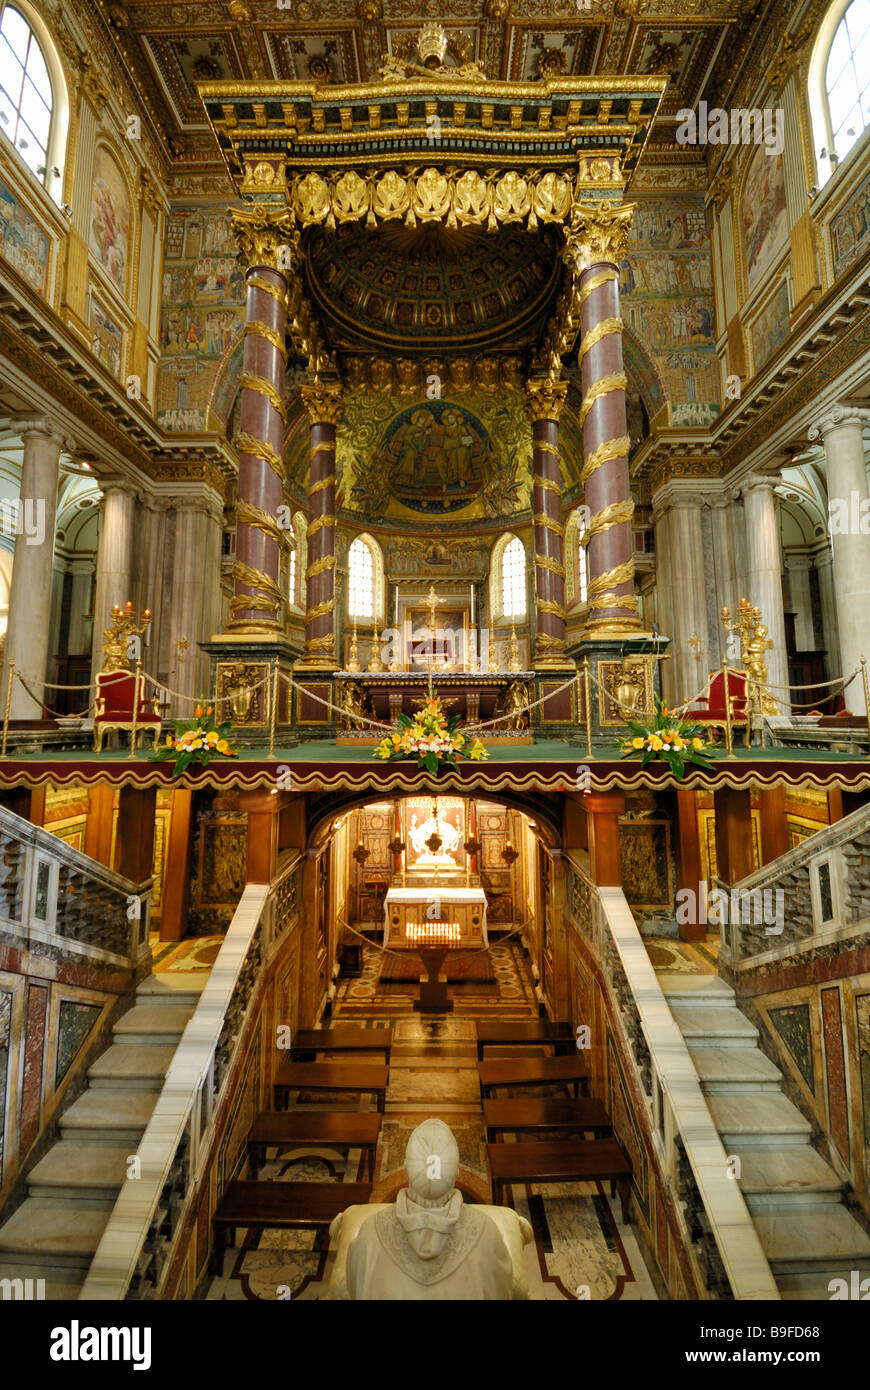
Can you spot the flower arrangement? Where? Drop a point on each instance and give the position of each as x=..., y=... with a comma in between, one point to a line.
x=670, y=738
x=196, y=740
x=431, y=736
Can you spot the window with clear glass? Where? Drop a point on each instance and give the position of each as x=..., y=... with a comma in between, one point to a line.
x=513, y=579
x=582, y=568
x=361, y=581
x=847, y=78
x=25, y=92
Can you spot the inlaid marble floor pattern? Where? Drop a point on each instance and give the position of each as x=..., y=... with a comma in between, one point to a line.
x=580, y=1247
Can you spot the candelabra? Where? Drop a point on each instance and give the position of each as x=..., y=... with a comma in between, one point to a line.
x=353, y=659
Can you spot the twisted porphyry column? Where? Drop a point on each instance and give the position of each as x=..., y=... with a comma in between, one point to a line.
x=325, y=405
x=597, y=244
x=263, y=239
x=543, y=405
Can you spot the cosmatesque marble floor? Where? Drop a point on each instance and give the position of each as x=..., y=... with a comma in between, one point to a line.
x=580, y=1248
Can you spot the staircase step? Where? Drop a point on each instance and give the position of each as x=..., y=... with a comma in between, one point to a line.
x=796, y=1173
x=175, y=987
x=61, y=1284
x=110, y=1117
x=695, y=991
x=51, y=1232
x=153, y=1023
x=752, y=1121
x=723, y=1070
x=798, y=1240
x=131, y=1066
x=74, y=1168
x=717, y=1026
x=816, y=1284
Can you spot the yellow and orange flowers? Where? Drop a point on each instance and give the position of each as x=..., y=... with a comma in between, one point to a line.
x=196, y=740
x=668, y=737
x=430, y=736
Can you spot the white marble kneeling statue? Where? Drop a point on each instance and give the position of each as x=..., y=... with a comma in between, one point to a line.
x=429, y=1244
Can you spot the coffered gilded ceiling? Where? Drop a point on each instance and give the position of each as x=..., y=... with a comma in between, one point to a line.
x=698, y=44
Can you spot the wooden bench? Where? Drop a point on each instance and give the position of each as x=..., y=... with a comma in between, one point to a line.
x=287, y=1129
x=343, y=1037
x=533, y=1071
x=282, y=1206
x=531, y=1113
x=534, y=1032
x=560, y=1160
x=330, y=1076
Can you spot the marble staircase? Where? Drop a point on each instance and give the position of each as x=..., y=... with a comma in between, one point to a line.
x=793, y=1194
x=71, y=1191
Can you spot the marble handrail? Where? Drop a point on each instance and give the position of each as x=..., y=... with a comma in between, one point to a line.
x=135, y=1246
x=730, y=1222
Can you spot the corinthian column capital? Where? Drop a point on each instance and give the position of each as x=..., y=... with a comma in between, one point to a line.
x=598, y=233
x=836, y=417
x=265, y=238
x=39, y=424
x=324, y=402
x=544, y=399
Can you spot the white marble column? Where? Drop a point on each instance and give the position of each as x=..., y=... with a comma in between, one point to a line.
x=764, y=573
x=686, y=585
x=28, y=631
x=841, y=430
x=114, y=559
x=661, y=512
x=801, y=601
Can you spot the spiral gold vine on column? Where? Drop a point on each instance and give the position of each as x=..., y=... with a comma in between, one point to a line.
x=252, y=382
x=256, y=328
x=250, y=515
x=541, y=520
x=545, y=563
x=254, y=578
x=614, y=514
x=545, y=605
x=320, y=610
x=324, y=483
x=326, y=562
x=260, y=602
x=620, y=574
x=260, y=449
x=605, y=453
x=546, y=484
x=617, y=381
x=318, y=523
x=627, y=601
x=594, y=336
x=592, y=284
x=543, y=639
x=260, y=284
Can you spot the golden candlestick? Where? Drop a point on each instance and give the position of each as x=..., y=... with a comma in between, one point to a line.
x=754, y=642
x=353, y=659
x=514, y=664
x=375, y=659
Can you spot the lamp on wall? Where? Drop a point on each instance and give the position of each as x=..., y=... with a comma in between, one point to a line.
x=509, y=854
x=435, y=841
x=361, y=854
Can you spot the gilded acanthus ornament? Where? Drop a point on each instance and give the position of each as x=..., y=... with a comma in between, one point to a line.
x=324, y=402
x=544, y=398
x=723, y=182
x=598, y=234
x=241, y=688
x=118, y=645
x=264, y=237
x=754, y=644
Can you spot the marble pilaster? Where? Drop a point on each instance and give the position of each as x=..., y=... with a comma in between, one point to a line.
x=693, y=653
x=194, y=609
x=801, y=600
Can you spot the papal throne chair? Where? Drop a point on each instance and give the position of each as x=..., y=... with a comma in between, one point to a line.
x=711, y=708
x=114, y=707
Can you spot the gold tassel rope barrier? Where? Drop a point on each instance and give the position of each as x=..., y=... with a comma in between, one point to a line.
x=471, y=951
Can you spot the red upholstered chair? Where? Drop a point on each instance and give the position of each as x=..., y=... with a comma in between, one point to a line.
x=114, y=706
x=711, y=709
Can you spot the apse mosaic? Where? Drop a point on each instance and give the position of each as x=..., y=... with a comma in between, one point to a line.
x=462, y=457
